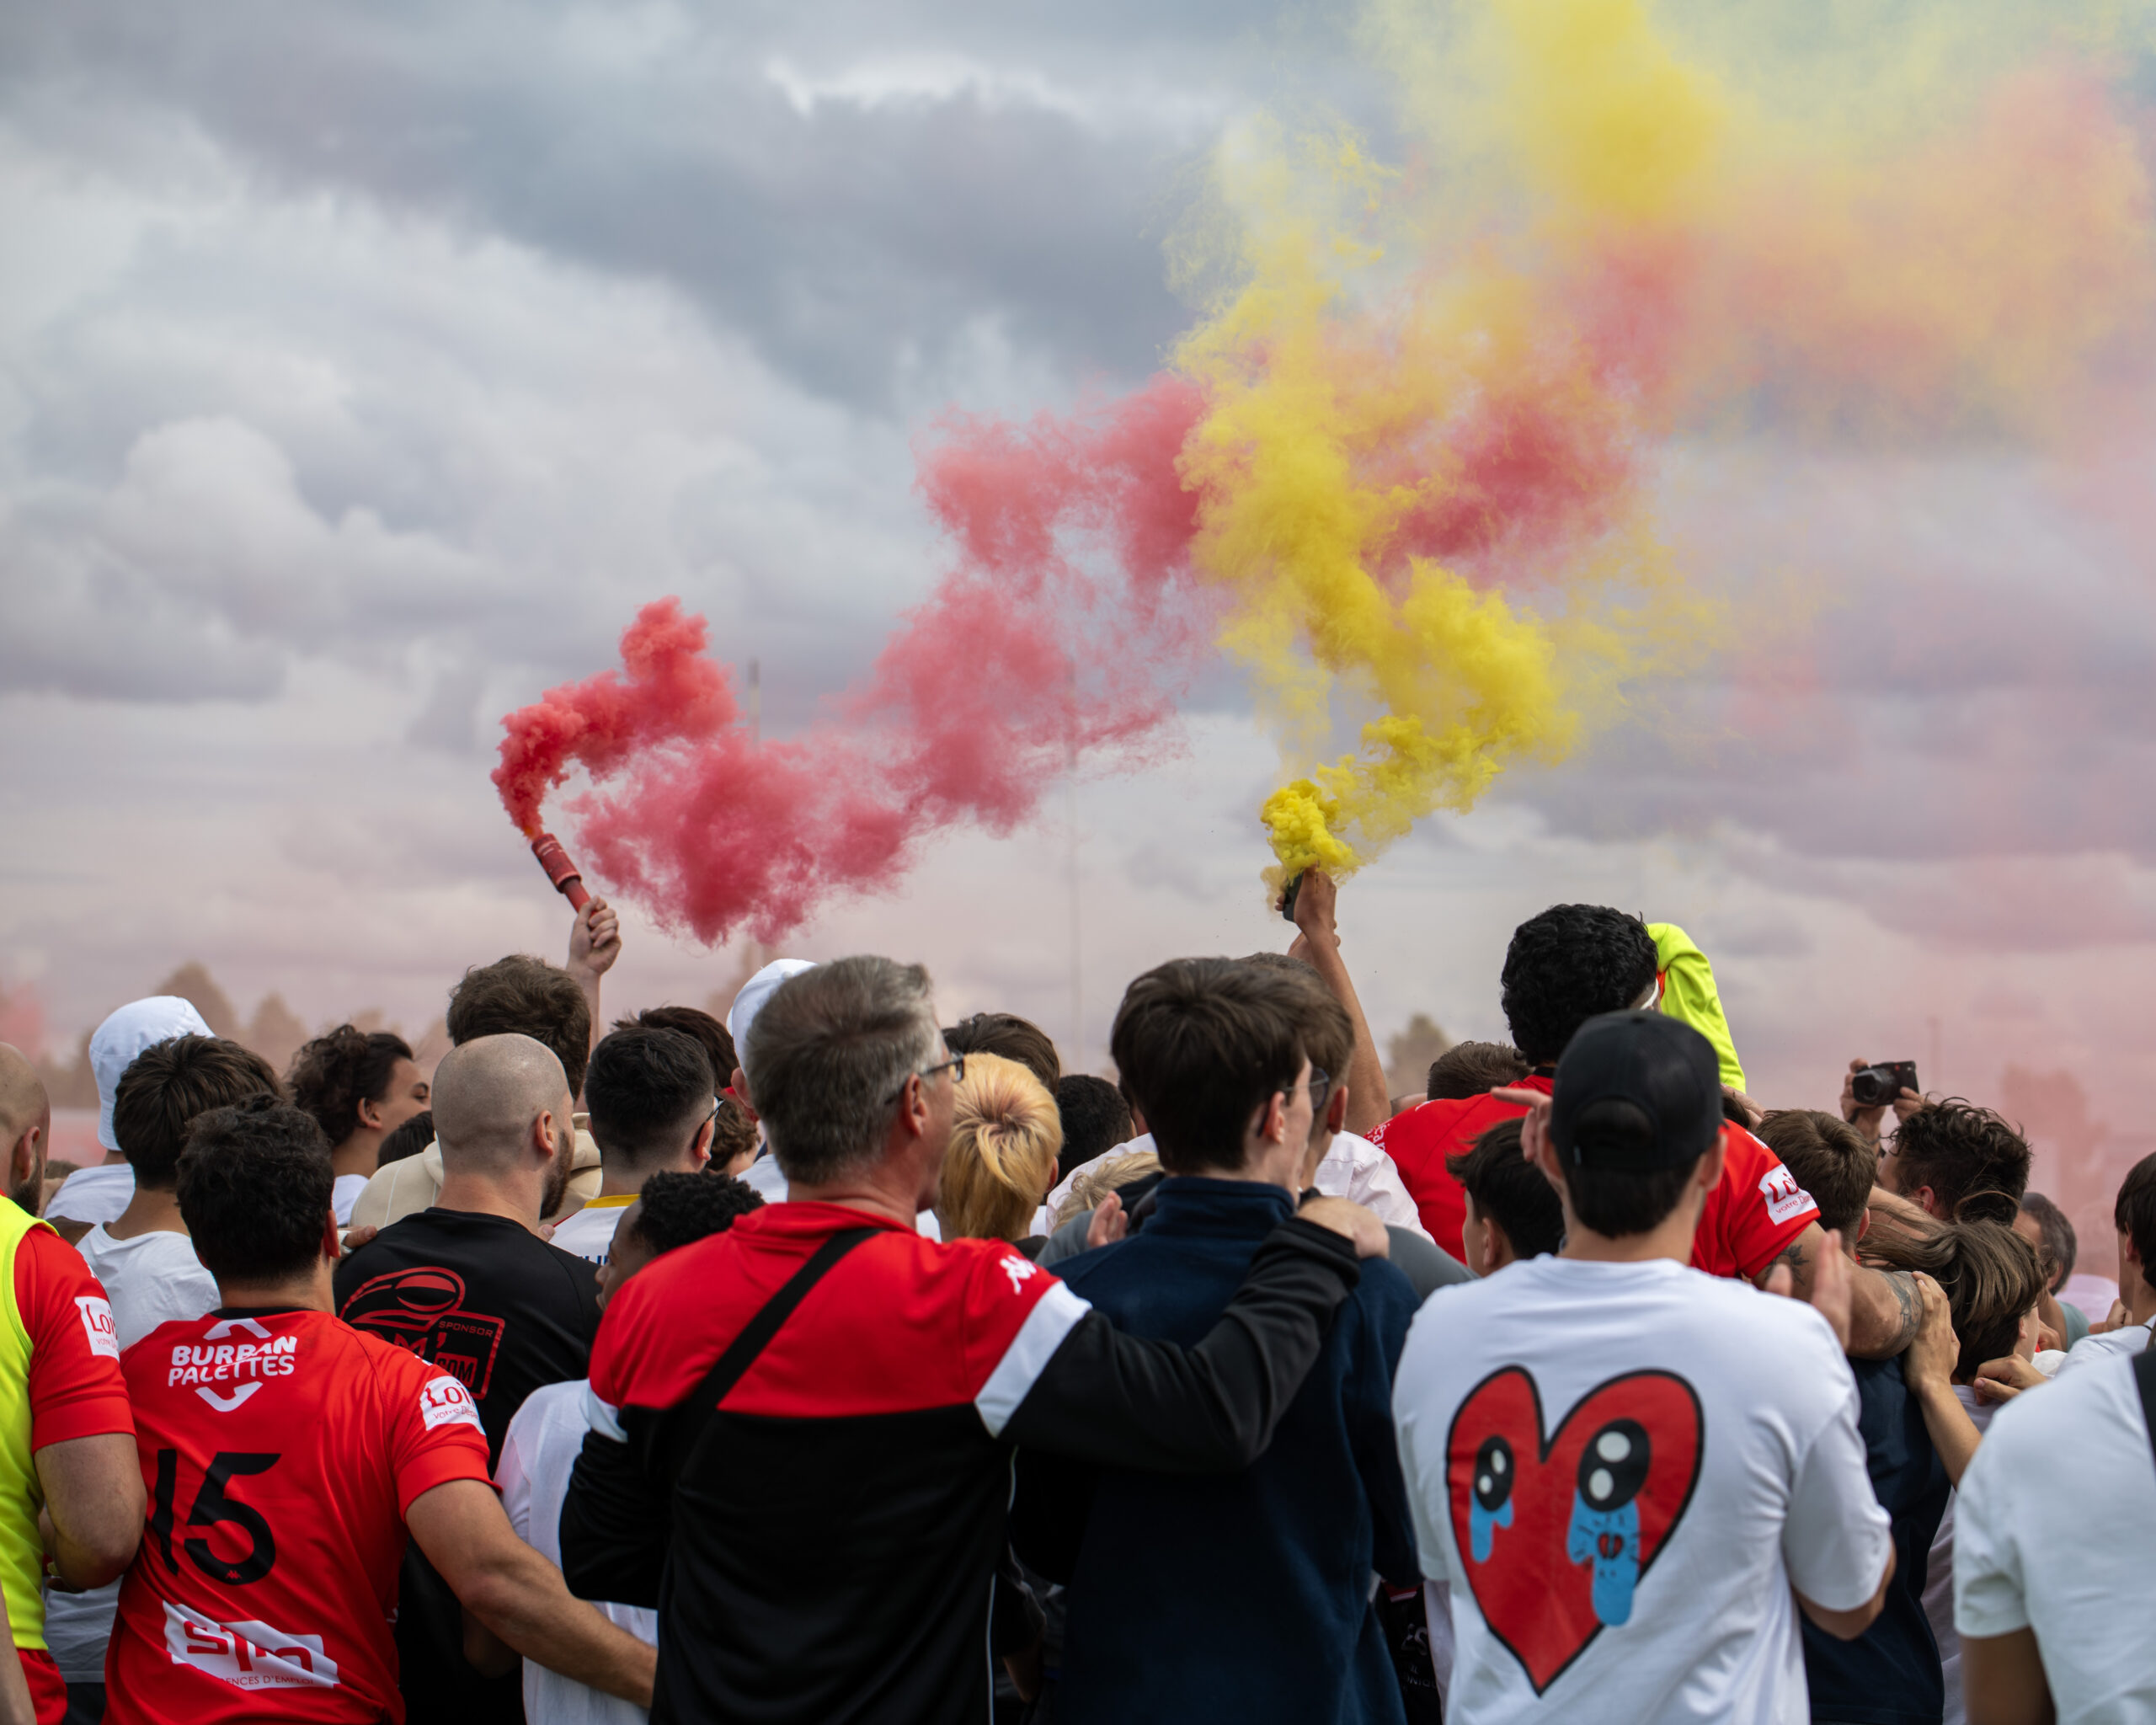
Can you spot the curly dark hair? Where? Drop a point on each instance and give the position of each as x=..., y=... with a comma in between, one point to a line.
x=1975, y=1163
x=1569, y=964
x=255, y=1190
x=164, y=1088
x=1007, y=1034
x=679, y=1209
x=522, y=996
x=333, y=1075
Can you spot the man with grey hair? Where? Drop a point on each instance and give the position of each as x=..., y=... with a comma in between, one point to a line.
x=470, y=1286
x=872, y=1385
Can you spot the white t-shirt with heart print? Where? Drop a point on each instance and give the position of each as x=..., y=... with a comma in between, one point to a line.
x=1620, y=1470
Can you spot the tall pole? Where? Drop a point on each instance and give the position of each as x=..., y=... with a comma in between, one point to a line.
x=1077, y=947
x=757, y=957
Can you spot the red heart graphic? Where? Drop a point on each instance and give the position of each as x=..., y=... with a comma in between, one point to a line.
x=1555, y=1534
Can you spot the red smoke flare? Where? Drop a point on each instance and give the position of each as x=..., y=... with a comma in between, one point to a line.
x=1030, y=649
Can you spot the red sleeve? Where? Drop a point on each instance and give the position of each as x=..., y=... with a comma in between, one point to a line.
x=1753, y=1213
x=436, y=1435
x=1419, y=1140
x=76, y=1389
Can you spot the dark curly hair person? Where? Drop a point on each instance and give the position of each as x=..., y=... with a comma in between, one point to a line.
x=1571, y=963
x=359, y=1087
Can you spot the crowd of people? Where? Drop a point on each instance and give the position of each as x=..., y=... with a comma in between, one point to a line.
x=826, y=1364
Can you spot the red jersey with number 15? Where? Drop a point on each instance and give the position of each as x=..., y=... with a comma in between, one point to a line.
x=281, y=1450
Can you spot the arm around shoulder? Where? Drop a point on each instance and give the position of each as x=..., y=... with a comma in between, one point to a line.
x=614, y=1525
x=1121, y=1401
x=521, y=1597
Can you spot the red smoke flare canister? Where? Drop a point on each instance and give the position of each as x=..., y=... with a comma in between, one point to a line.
x=568, y=881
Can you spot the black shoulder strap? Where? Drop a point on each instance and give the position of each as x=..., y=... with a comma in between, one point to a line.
x=2144, y=1379
x=741, y=1352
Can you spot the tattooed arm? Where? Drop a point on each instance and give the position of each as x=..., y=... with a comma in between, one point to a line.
x=1886, y=1306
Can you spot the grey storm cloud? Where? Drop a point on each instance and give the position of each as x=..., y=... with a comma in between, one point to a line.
x=845, y=224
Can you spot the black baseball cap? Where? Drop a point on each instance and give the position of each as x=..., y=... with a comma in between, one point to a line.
x=1634, y=1092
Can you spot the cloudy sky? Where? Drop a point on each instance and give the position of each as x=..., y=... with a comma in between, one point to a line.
x=363, y=369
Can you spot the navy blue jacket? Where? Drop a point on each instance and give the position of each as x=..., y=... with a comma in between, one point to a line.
x=1889, y=1674
x=1238, y=1596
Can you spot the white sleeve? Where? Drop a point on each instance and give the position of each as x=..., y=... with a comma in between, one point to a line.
x=1376, y=1184
x=511, y=1477
x=193, y=1293
x=1836, y=1540
x=1428, y=1500
x=1987, y=1594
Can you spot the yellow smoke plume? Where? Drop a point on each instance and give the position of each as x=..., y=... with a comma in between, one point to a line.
x=1437, y=392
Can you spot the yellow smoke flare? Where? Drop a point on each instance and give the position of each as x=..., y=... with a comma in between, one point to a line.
x=1436, y=393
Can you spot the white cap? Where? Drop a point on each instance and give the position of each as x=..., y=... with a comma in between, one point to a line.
x=138, y=1025
x=755, y=993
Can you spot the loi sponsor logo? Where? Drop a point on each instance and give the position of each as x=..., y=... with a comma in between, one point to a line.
x=444, y=1400
x=98, y=1325
x=1785, y=1196
x=248, y=1655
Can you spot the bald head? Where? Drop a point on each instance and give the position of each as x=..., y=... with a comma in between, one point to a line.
x=23, y=1103
x=488, y=1092
x=25, y=1127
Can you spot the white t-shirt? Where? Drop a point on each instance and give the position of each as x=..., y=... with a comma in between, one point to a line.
x=1352, y=1168
x=1622, y=1469
x=150, y=1279
x=345, y=1194
x=1938, y=1574
x=2056, y=1519
x=537, y=1454
x=97, y=1194
x=765, y=1175
x=590, y=1233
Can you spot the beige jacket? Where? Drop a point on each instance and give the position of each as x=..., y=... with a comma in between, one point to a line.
x=403, y=1188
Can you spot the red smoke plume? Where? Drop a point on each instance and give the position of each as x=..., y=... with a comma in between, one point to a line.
x=1069, y=624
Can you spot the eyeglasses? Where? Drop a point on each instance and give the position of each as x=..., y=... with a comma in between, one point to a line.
x=956, y=1063
x=1320, y=1087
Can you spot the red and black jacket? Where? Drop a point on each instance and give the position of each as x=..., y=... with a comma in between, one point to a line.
x=821, y=1545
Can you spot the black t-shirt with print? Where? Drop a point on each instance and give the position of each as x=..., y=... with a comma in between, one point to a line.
x=490, y=1302
x=483, y=1298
